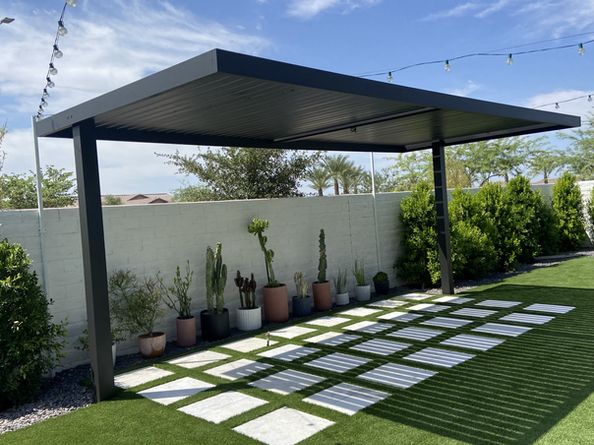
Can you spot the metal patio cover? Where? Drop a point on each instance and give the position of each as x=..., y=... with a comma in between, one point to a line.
x=221, y=98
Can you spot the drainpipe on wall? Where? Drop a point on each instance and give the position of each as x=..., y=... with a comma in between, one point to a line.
x=40, y=215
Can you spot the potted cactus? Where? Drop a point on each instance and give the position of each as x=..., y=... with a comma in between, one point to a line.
x=214, y=321
x=363, y=289
x=322, y=293
x=176, y=297
x=381, y=283
x=249, y=315
x=302, y=301
x=275, y=294
x=342, y=291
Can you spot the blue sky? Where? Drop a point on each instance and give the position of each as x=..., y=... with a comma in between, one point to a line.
x=113, y=42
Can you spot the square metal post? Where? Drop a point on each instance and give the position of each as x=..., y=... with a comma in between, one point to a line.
x=93, y=254
x=443, y=221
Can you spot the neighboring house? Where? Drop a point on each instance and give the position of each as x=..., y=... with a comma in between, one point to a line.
x=142, y=198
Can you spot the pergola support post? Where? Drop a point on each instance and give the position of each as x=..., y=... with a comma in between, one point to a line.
x=443, y=221
x=93, y=254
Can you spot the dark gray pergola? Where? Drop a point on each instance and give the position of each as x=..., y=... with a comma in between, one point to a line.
x=222, y=98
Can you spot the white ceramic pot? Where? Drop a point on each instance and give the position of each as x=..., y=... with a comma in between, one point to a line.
x=114, y=352
x=363, y=293
x=342, y=299
x=249, y=319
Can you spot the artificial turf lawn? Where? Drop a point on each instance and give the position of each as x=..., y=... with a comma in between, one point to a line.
x=536, y=388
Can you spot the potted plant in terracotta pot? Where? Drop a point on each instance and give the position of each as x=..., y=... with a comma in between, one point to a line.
x=322, y=293
x=381, y=283
x=342, y=290
x=302, y=301
x=363, y=289
x=136, y=308
x=249, y=315
x=214, y=321
x=275, y=294
x=177, y=298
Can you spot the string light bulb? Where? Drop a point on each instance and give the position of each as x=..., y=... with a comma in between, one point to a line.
x=510, y=59
x=390, y=77
x=50, y=82
x=589, y=98
x=57, y=53
x=62, y=31
x=45, y=94
x=446, y=66
x=557, y=106
x=43, y=102
x=71, y=3
x=52, y=69
x=581, y=49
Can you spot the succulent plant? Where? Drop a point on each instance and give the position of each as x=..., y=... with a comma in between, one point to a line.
x=322, y=264
x=257, y=227
x=300, y=284
x=340, y=281
x=216, y=279
x=359, y=273
x=247, y=291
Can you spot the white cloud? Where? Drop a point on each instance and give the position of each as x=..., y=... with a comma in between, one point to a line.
x=559, y=17
x=306, y=9
x=466, y=90
x=109, y=44
x=493, y=8
x=579, y=107
x=456, y=11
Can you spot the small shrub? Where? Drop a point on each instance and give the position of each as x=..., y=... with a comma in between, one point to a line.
x=548, y=238
x=30, y=343
x=568, y=209
x=591, y=213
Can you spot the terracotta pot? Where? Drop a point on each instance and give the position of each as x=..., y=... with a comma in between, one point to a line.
x=342, y=299
x=363, y=293
x=214, y=325
x=186, y=331
x=249, y=319
x=301, y=306
x=276, y=304
x=152, y=345
x=322, y=293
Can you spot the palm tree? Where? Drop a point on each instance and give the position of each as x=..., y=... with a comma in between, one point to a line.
x=336, y=166
x=319, y=179
x=352, y=178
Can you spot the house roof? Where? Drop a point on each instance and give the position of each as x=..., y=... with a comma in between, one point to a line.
x=223, y=98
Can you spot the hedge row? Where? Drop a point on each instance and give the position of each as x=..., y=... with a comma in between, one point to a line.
x=494, y=229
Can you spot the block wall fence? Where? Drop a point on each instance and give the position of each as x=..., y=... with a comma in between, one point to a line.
x=158, y=237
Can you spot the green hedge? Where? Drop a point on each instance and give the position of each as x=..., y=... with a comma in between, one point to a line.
x=495, y=229
x=30, y=343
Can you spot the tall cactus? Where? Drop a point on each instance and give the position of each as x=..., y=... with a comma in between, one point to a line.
x=323, y=264
x=216, y=279
x=257, y=227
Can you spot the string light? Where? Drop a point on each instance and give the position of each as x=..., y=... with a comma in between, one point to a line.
x=390, y=77
x=558, y=103
x=589, y=98
x=447, y=67
x=510, y=59
x=557, y=106
x=56, y=54
x=581, y=49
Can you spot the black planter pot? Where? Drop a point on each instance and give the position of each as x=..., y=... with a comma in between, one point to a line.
x=214, y=325
x=381, y=287
x=301, y=306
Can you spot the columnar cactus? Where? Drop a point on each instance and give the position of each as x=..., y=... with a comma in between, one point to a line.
x=322, y=265
x=257, y=227
x=247, y=291
x=216, y=279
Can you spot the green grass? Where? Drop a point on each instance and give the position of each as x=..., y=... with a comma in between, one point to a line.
x=536, y=388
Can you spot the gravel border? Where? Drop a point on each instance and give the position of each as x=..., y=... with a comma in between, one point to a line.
x=66, y=391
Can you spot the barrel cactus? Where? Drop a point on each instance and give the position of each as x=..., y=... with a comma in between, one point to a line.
x=216, y=279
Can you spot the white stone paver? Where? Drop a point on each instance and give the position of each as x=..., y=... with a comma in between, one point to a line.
x=360, y=312
x=328, y=321
x=388, y=304
x=450, y=299
x=498, y=303
x=174, y=391
x=446, y=322
x=332, y=338
x=292, y=332
x=400, y=376
x=439, y=357
x=198, y=359
x=415, y=296
x=288, y=353
x=285, y=426
x=428, y=307
x=248, y=344
x=550, y=308
x=380, y=347
x=287, y=381
x=474, y=313
x=369, y=327
x=140, y=377
x=415, y=333
x=475, y=342
x=346, y=398
x=404, y=317
x=337, y=362
x=507, y=330
x=223, y=406
x=518, y=317
x=238, y=369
